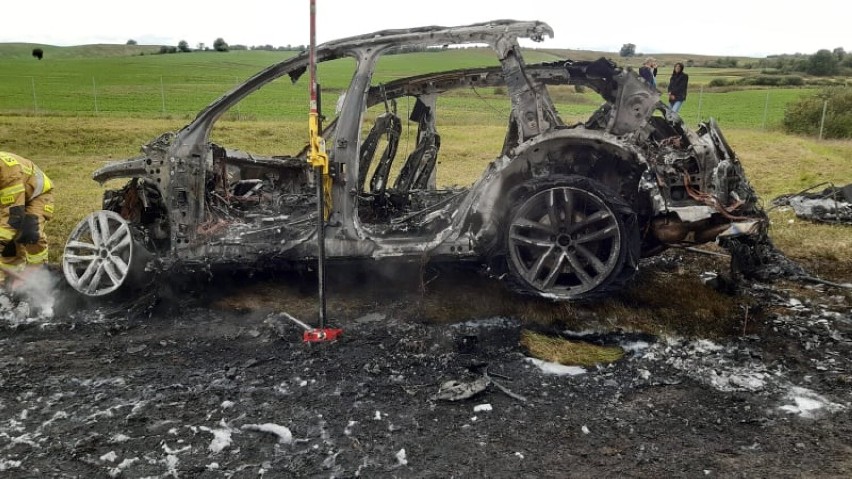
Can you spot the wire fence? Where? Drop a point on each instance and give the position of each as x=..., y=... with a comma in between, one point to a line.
x=183, y=96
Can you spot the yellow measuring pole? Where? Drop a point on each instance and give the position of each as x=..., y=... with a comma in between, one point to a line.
x=317, y=156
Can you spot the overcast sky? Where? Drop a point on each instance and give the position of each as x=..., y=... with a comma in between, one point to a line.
x=718, y=27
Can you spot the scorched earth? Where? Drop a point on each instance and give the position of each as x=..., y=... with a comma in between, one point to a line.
x=220, y=385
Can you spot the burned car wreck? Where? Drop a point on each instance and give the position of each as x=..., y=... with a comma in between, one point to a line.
x=562, y=211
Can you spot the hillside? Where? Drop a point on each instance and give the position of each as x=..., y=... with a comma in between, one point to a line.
x=24, y=50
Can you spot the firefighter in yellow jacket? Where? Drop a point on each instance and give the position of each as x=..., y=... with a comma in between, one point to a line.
x=26, y=203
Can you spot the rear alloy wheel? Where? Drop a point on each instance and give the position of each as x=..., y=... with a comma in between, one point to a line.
x=569, y=238
x=102, y=256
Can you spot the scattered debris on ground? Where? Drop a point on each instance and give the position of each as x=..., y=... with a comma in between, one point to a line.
x=832, y=204
x=189, y=390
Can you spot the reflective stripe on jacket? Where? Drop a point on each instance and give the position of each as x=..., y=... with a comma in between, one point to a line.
x=20, y=175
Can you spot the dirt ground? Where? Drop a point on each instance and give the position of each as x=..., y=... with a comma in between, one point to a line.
x=216, y=382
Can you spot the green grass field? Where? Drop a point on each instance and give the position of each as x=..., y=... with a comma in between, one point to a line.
x=104, y=82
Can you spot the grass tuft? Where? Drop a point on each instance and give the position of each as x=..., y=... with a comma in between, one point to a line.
x=570, y=353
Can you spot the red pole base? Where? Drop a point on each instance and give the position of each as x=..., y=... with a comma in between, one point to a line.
x=321, y=335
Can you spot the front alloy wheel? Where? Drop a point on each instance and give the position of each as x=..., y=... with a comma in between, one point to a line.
x=101, y=255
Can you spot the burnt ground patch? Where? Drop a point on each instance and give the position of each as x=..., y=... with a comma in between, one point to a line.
x=208, y=384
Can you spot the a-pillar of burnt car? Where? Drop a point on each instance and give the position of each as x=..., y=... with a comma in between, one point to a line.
x=563, y=211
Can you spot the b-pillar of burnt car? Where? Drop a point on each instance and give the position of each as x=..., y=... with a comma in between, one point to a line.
x=562, y=211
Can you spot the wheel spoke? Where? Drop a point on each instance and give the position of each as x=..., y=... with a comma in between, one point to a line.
x=103, y=220
x=93, y=229
x=81, y=245
x=581, y=273
x=568, y=206
x=77, y=258
x=96, y=278
x=109, y=267
x=607, y=232
x=120, y=264
x=560, y=208
x=596, y=263
x=125, y=242
x=122, y=231
x=523, y=240
x=535, y=270
x=533, y=225
x=550, y=280
x=592, y=218
x=87, y=275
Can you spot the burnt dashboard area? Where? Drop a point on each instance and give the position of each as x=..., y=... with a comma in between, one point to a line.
x=244, y=189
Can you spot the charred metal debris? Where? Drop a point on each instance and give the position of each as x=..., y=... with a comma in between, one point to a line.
x=832, y=204
x=563, y=211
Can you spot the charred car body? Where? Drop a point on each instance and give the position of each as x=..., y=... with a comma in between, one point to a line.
x=564, y=211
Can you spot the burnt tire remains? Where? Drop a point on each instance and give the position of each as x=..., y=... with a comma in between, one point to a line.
x=568, y=237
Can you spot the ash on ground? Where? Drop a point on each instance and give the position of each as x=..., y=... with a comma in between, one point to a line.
x=150, y=389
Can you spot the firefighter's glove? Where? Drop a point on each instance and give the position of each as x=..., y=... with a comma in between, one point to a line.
x=16, y=217
x=29, y=230
x=8, y=249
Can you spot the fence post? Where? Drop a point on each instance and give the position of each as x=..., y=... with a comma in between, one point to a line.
x=822, y=121
x=765, y=109
x=700, y=97
x=95, y=94
x=163, y=94
x=239, y=113
x=35, y=103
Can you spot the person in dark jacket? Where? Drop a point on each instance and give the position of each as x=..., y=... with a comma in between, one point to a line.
x=648, y=72
x=677, y=87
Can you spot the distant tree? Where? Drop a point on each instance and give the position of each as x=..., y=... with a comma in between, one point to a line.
x=627, y=50
x=131, y=42
x=839, y=53
x=164, y=49
x=822, y=63
x=201, y=46
x=38, y=53
x=183, y=46
x=220, y=45
x=238, y=47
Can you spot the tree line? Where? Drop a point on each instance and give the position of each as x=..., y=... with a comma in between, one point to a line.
x=220, y=45
x=822, y=63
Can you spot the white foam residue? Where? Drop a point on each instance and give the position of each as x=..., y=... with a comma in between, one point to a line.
x=482, y=407
x=556, y=368
x=109, y=457
x=221, y=438
x=806, y=402
x=743, y=380
x=634, y=346
x=171, y=463
x=401, y=457
x=8, y=464
x=171, y=451
x=119, y=438
x=283, y=433
x=705, y=346
x=117, y=470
